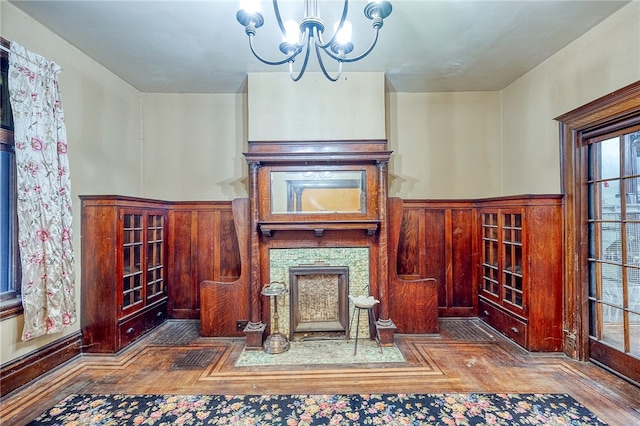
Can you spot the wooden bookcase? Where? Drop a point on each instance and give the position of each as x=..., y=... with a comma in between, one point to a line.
x=124, y=286
x=520, y=288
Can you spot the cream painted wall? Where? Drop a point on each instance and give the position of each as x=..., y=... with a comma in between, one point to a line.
x=314, y=108
x=446, y=145
x=193, y=146
x=102, y=115
x=605, y=59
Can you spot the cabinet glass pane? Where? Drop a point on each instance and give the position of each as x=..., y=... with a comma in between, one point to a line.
x=155, y=255
x=132, y=260
x=512, y=280
x=512, y=284
x=132, y=292
x=490, y=256
x=517, y=259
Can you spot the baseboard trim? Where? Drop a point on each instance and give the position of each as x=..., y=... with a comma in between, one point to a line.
x=21, y=371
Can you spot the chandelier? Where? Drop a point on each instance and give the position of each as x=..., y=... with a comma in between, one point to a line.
x=308, y=34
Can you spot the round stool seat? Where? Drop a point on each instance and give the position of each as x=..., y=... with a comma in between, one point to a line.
x=363, y=302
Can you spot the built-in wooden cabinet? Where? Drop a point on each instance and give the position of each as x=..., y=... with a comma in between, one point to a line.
x=124, y=269
x=520, y=266
x=498, y=259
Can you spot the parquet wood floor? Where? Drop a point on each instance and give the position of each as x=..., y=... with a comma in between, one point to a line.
x=434, y=364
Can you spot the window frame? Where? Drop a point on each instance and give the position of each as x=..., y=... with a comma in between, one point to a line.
x=11, y=301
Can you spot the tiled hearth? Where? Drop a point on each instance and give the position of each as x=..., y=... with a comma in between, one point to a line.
x=355, y=258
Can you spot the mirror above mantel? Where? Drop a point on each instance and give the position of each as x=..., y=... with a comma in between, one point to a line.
x=318, y=185
x=321, y=191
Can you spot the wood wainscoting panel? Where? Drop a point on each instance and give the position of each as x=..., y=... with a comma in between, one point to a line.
x=438, y=235
x=21, y=371
x=225, y=303
x=202, y=246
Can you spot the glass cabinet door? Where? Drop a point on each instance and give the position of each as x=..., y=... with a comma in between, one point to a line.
x=490, y=259
x=132, y=261
x=155, y=256
x=142, y=259
x=512, y=259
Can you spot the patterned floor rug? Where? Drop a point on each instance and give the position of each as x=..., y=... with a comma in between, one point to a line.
x=299, y=410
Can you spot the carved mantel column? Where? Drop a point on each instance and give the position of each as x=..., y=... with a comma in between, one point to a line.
x=386, y=327
x=255, y=328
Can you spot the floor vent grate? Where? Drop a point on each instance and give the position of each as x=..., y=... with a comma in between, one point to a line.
x=194, y=360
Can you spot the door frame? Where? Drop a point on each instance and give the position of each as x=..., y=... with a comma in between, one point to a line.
x=600, y=116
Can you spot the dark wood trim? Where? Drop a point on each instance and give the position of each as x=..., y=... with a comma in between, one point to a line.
x=599, y=114
x=5, y=43
x=21, y=371
x=123, y=199
x=10, y=307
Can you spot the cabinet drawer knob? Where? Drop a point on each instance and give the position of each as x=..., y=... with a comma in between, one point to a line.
x=130, y=330
x=515, y=330
x=486, y=312
x=159, y=314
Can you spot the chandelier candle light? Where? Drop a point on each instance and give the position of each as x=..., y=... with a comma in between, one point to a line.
x=309, y=32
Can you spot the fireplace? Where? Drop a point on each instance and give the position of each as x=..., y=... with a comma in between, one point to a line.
x=275, y=235
x=346, y=207
x=318, y=301
x=291, y=264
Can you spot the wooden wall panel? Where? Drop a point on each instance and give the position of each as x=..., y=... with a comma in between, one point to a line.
x=225, y=304
x=195, y=232
x=182, y=304
x=435, y=243
x=229, y=251
x=409, y=250
x=207, y=245
x=413, y=302
x=446, y=250
x=463, y=289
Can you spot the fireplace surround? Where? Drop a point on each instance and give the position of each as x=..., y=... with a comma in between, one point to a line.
x=318, y=303
x=353, y=260
x=361, y=167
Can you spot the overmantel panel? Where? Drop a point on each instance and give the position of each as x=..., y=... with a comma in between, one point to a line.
x=316, y=158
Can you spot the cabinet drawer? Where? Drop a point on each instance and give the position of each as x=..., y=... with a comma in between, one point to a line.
x=508, y=325
x=138, y=325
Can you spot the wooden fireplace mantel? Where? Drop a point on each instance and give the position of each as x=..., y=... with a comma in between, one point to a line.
x=369, y=227
x=317, y=194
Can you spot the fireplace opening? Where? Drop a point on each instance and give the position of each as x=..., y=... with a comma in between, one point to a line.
x=319, y=306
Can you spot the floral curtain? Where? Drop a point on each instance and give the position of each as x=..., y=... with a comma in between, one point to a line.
x=44, y=194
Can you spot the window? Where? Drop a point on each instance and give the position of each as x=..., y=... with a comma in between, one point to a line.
x=10, y=302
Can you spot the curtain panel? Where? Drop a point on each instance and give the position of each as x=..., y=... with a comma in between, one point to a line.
x=44, y=194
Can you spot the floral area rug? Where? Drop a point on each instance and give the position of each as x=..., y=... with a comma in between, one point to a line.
x=298, y=410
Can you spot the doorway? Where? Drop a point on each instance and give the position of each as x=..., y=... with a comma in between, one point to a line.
x=613, y=261
x=600, y=153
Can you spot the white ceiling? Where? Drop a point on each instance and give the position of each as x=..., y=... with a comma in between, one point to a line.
x=181, y=46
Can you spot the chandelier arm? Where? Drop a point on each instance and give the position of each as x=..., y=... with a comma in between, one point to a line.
x=345, y=10
x=304, y=65
x=319, y=51
x=347, y=60
x=276, y=10
x=289, y=58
